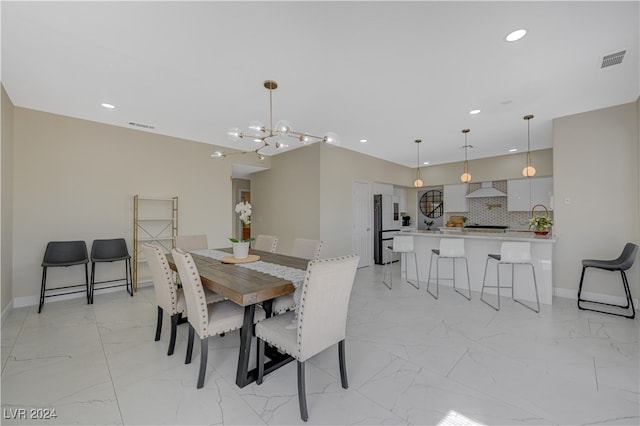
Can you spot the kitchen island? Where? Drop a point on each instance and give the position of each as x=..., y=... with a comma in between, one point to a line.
x=478, y=245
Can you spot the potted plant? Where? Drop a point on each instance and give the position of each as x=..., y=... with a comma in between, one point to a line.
x=241, y=246
x=540, y=224
x=429, y=224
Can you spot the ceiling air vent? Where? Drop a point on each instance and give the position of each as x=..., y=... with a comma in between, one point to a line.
x=144, y=126
x=613, y=59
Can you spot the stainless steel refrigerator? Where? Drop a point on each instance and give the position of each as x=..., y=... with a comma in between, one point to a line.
x=386, y=224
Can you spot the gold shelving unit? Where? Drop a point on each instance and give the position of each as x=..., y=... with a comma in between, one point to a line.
x=155, y=220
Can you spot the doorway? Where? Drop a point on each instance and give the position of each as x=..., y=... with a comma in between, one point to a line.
x=362, y=216
x=245, y=196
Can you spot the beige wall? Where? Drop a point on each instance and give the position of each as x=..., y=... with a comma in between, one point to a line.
x=75, y=179
x=596, y=168
x=489, y=169
x=339, y=168
x=6, y=211
x=71, y=178
x=285, y=198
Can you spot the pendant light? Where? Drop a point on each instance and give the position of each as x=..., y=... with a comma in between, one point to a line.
x=466, y=176
x=529, y=170
x=418, y=182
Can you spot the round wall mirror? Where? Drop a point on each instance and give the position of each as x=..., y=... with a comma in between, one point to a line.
x=431, y=203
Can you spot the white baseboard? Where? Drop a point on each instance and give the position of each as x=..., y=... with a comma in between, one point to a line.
x=6, y=311
x=598, y=297
x=19, y=302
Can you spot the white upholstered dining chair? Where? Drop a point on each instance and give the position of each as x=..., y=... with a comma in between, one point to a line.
x=266, y=243
x=207, y=320
x=169, y=297
x=321, y=320
x=192, y=242
x=305, y=249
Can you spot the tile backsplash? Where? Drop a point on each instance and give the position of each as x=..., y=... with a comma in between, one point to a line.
x=493, y=210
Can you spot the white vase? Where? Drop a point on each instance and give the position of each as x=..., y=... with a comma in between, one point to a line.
x=241, y=250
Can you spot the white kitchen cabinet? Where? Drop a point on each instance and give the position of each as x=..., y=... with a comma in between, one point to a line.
x=400, y=196
x=523, y=194
x=454, y=198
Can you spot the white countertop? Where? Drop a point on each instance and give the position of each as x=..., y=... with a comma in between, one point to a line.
x=478, y=235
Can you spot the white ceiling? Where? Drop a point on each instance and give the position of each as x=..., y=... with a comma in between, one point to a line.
x=390, y=72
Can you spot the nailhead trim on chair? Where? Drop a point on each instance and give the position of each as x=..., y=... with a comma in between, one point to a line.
x=302, y=300
x=304, y=294
x=168, y=275
x=204, y=314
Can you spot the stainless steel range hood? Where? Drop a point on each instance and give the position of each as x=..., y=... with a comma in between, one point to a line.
x=486, y=190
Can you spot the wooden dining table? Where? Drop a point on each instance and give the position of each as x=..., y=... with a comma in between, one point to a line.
x=247, y=288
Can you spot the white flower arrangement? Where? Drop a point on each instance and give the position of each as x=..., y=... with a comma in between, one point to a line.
x=540, y=223
x=244, y=209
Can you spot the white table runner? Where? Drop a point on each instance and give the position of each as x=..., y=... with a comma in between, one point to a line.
x=296, y=276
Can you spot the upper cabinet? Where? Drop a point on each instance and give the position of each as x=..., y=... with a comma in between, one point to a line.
x=523, y=194
x=400, y=197
x=455, y=198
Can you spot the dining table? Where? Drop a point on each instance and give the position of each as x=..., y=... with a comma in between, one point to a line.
x=247, y=287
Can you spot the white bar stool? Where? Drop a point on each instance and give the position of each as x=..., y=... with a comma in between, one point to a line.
x=401, y=244
x=450, y=248
x=511, y=253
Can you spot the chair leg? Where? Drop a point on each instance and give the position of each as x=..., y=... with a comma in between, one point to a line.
x=86, y=280
x=302, y=394
x=159, y=324
x=343, y=365
x=625, y=284
x=260, y=360
x=128, y=276
x=535, y=286
x=484, y=279
x=93, y=279
x=174, y=331
x=466, y=264
x=385, y=267
x=42, y=287
x=406, y=269
x=584, y=268
x=190, y=345
x=204, y=353
x=429, y=277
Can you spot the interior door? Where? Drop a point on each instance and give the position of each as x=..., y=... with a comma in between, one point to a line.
x=362, y=217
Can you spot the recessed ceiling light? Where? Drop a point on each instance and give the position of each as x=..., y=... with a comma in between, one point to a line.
x=425, y=163
x=363, y=140
x=516, y=35
x=474, y=111
x=513, y=150
x=106, y=105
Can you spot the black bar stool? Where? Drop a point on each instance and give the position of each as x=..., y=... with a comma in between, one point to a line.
x=622, y=263
x=64, y=253
x=112, y=250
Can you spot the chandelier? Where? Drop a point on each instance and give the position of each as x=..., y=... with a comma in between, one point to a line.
x=528, y=170
x=466, y=176
x=276, y=136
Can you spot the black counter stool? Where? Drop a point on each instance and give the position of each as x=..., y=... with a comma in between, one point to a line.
x=511, y=253
x=450, y=248
x=622, y=263
x=112, y=250
x=64, y=253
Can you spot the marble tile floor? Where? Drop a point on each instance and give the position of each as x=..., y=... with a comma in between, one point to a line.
x=411, y=360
